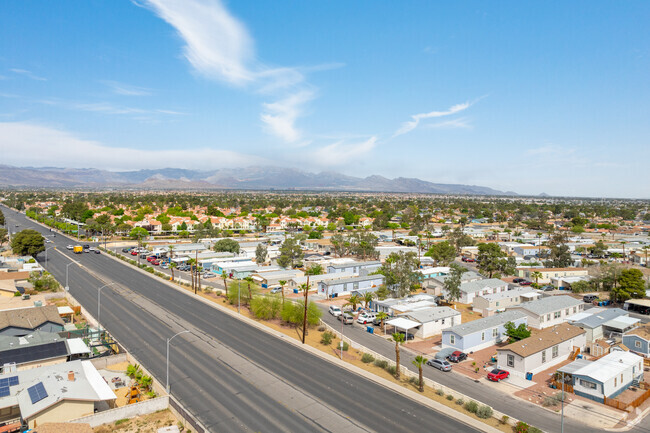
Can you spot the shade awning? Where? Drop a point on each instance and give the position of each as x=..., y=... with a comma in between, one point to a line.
x=402, y=323
x=621, y=323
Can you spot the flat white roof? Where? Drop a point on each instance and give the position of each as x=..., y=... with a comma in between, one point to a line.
x=65, y=310
x=609, y=366
x=402, y=323
x=621, y=322
x=76, y=346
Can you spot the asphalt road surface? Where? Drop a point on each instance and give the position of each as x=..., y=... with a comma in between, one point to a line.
x=231, y=376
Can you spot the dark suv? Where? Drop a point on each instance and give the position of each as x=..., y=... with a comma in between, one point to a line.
x=458, y=356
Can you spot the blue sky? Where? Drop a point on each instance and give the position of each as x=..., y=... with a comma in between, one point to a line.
x=525, y=96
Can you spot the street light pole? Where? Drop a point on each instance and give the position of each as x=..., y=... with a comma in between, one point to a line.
x=99, y=304
x=66, y=275
x=239, y=298
x=46, y=253
x=168, y=341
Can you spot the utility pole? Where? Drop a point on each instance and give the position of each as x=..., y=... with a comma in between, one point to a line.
x=304, y=319
x=562, y=428
x=239, y=297
x=198, y=274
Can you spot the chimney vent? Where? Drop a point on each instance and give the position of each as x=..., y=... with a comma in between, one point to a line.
x=71, y=376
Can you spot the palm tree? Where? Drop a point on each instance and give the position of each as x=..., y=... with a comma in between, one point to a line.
x=382, y=315
x=536, y=275
x=249, y=280
x=398, y=338
x=313, y=270
x=645, y=250
x=368, y=297
x=172, y=265
x=354, y=300
x=419, y=362
x=225, y=281
x=282, y=283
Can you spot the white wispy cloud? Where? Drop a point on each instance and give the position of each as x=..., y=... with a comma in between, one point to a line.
x=461, y=122
x=108, y=108
x=219, y=47
x=416, y=118
x=280, y=116
x=127, y=89
x=28, y=74
x=342, y=153
x=48, y=146
x=550, y=150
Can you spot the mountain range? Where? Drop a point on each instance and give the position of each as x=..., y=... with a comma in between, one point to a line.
x=251, y=178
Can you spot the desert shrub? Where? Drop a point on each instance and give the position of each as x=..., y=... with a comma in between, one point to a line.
x=440, y=392
x=266, y=307
x=326, y=338
x=471, y=406
x=450, y=397
x=460, y=401
x=367, y=358
x=391, y=369
x=381, y=363
x=484, y=412
x=321, y=328
x=505, y=419
x=346, y=346
x=414, y=380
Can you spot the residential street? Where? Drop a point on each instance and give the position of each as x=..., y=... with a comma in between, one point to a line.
x=211, y=368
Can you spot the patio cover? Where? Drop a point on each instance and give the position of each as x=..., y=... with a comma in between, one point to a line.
x=402, y=323
x=621, y=323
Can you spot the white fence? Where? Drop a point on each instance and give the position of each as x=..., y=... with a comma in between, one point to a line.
x=129, y=411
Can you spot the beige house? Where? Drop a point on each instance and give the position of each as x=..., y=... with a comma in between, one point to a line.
x=492, y=303
x=548, y=273
x=542, y=351
x=550, y=311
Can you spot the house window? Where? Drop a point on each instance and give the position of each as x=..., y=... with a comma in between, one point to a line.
x=557, y=314
x=566, y=313
x=555, y=351
x=497, y=303
x=482, y=336
x=543, y=356
x=621, y=377
x=587, y=384
x=637, y=344
x=517, y=299
x=511, y=360
x=615, y=382
x=574, y=309
x=541, y=319
x=443, y=321
x=548, y=317
x=494, y=333
x=452, y=339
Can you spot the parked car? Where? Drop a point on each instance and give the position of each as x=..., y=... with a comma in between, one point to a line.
x=126, y=250
x=164, y=265
x=143, y=256
x=96, y=251
x=518, y=280
x=346, y=318
x=547, y=288
x=497, y=375
x=440, y=364
x=408, y=336
x=155, y=262
x=365, y=318
x=335, y=311
x=468, y=259
x=458, y=356
x=184, y=268
x=276, y=290
x=134, y=252
x=70, y=247
x=525, y=283
x=589, y=298
x=208, y=275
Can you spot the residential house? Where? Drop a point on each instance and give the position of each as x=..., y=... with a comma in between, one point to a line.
x=427, y=274
x=345, y=286
x=549, y=311
x=548, y=273
x=315, y=279
x=433, y=320
x=435, y=284
x=638, y=340
x=481, y=333
x=23, y=321
x=362, y=268
x=530, y=250
x=39, y=349
x=541, y=351
x=605, y=377
x=273, y=278
x=492, y=303
x=472, y=289
x=602, y=322
x=394, y=307
x=11, y=281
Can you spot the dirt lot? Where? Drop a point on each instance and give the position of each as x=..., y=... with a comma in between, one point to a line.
x=141, y=424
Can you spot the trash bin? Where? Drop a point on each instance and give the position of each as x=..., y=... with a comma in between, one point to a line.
x=295, y=290
x=370, y=329
x=529, y=376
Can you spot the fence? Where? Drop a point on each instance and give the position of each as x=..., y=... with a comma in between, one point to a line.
x=136, y=409
x=634, y=403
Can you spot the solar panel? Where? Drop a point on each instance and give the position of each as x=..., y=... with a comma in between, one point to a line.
x=37, y=392
x=13, y=380
x=4, y=391
x=4, y=382
x=21, y=355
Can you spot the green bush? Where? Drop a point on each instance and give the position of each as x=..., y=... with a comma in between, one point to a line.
x=460, y=401
x=346, y=346
x=266, y=307
x=326, y=338
x=471, y=406
x=367, y=358
x=484, y=412
x=532, y=429
x=17, y=293
x=450, y=397
x=522, y=427
x=391, y=369
x=381, y=363
x=149, y=269
x=121, y=421
x=414, y=380
x=505, y=419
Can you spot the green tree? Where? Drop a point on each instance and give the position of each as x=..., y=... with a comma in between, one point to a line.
x=516, y=333
x=290, y=253
x=225, y=282
x=536, y=275
x=2, y=219
x=3, y=236
x=382, y=292
x=227, y=245
x=558, y=254
x=138, y=233
x=453, y=281
x=599, y=249
x=368, y=297
x=261, y=253
x=630, y=285
x=382, y=316
x=398, y=338
x=443, y=253
x=400, y=271
x=353, y=301
x=491, y=260
x=28, y=242
x=282, y=283
x=419, y=362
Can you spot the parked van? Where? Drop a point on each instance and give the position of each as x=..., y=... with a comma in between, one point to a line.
x=589, y=298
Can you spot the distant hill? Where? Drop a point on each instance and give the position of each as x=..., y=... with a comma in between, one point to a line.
x=252, y=178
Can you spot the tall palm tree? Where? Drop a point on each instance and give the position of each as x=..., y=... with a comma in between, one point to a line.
x=225, y=281
x=397, y=338
x=536, y=275
x=354, y=300
x=419, y=362
x=282, y=283
x=382, y=315
x=313, y=270
x=172, y=265
x=368, y=297
x=249, y=280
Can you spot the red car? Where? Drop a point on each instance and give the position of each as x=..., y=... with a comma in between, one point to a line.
x=497, y=375
x=468, y=260
x=155, y=262
x=134, y=253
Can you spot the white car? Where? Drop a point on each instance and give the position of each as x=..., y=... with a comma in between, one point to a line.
x=70, y=247
x=365, y=318
x=335, y=311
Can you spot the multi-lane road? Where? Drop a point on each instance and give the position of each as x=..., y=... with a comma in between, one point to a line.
x=230, y=375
